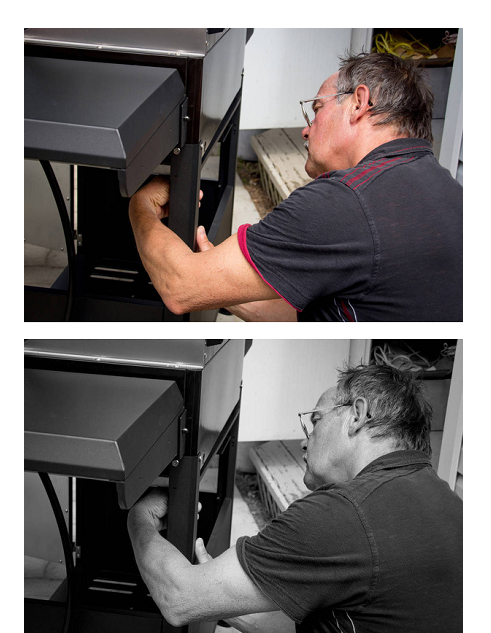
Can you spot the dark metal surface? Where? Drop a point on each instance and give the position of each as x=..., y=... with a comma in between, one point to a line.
x=222, y=81
x=222, y=375
x=108, y=115
x=97, y=426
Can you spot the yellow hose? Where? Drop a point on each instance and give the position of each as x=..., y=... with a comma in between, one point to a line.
x=400, y=47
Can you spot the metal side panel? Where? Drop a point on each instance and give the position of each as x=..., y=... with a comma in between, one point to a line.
x=99, y=426
x=222, y=375
x=222, y=81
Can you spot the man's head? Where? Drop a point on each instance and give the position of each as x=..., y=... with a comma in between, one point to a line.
x=388, y=99
x=374, y=410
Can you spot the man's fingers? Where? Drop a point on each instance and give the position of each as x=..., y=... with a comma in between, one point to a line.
x=201, y=553
x=202, y=240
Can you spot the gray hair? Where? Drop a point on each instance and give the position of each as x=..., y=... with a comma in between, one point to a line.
x=398, y=90
x=396, y=404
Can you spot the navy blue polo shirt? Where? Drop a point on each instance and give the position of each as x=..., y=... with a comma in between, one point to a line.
x=379, y=242
x=381, y=553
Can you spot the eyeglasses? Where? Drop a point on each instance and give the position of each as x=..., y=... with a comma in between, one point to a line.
x=303, y=424
x=304, y=112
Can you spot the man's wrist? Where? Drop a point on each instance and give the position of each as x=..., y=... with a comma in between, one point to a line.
x=142, y=204
x=139, y=518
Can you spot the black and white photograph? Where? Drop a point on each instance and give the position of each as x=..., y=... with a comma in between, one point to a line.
x=250, y=485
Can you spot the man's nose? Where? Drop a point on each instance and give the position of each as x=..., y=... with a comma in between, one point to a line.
x=304, y=443
x=305, y=132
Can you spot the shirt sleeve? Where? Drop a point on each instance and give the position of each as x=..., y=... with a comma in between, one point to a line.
x=315, y=555
x=317, y=242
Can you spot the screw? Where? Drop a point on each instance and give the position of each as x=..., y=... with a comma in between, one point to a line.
x=177, y=150
x=175, y=462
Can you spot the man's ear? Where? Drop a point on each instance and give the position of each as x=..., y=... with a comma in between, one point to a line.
x=361, y=102
x=358, y=415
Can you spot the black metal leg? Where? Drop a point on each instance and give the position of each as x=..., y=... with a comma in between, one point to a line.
x=185, y=176
x=182, y=517
x=183, y=504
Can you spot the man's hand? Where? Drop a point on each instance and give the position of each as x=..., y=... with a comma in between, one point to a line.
x=153, y=506
x=201, y=553
x=202, y=241
x=157, y=194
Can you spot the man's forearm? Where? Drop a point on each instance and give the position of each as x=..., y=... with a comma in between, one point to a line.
x=162, y=252
x=160, y=565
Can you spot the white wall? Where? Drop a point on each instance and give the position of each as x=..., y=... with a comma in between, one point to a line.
x=283, y=66
x=283, y=377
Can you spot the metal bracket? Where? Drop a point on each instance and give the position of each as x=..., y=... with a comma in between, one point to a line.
x=183, y=132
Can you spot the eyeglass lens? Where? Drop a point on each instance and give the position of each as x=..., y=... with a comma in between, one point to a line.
x=305, y=423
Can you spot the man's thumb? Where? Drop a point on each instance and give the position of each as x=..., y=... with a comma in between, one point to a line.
x=201, y=553
x=202, y=240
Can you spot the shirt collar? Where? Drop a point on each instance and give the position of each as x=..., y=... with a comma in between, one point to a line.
x=397, y=147
x=392, y=148
x=397, y=459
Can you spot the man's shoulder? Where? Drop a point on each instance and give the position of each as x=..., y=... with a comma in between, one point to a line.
x=404, y=472
x=382, y=160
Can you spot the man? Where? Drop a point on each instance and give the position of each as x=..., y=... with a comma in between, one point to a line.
x=375, y=548
x=377, y=236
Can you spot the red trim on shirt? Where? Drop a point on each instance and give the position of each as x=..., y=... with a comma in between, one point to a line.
x=346, y=311
x=242, y=239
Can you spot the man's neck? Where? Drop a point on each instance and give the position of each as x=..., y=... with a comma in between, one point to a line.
x=376, y=141
x=372, y=450
x=371, y=142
